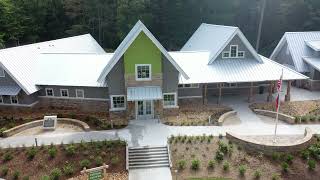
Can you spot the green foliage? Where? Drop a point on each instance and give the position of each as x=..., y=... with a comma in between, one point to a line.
x=181, y=164
x=289, y=158
x=275, y=176
x=45, y=178
x=276, y=156
x=2, y=129
x=223, y=147
x=70, y=150
x=219, y=156
x=4, y=171
x=99, y=161
x=31, y=153
x=195, y=164
x=52, y=152
x=85, y=163
x=25, y=178
x=226, y=166
x=55, y=174
x=68, y=169
x=211, y=164
x=305, y=154
x=16, y=175
x=257, y=174
x=311, y=164
x=285, y=167
x=114, y=160
x=242, y=170
x=7, y=157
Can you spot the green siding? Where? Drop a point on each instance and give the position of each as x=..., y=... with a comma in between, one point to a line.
x=142, y=51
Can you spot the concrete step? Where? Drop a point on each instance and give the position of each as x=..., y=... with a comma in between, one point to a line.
x=148, y=166
x=148, y=159
x=148, y=156
x=147, y=153
x=147, y=147
x=148, y=150
x=149, y=163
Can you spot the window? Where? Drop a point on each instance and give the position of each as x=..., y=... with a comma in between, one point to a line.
x=64, y=92
x=2, y=74
x=233, y=50
x=1, y=99
x=118, y=102
x=188, y=85
x=241, y=54
x=169, y=100
x=79, y=93
x=233, y=84
x=143, y=72
x=14, y=99
x=225, y=54
x=49, y=92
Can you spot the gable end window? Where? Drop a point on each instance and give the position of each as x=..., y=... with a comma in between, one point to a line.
x=241, y=54
x=79, y=93
x=143, y=72
x=64, y=92
x=233, y=51
x=49, y=92
x=2, y=74
x=225, y=54
x=169, y=100
x=14, y=99
x=118, y=102
x=1, y=100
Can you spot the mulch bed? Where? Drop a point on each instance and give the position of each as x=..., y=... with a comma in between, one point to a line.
x=112, y=153
x=206, y=151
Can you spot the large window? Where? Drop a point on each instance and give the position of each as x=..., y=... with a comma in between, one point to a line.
x=14, y=99
x=118, y=102
x=49, y=92
x=169, y=100
x=233, y=52
x=143, y=72
x=64, y=92
x=188, y=85
x=79, y=93
x=1, y=100
x=2, y=74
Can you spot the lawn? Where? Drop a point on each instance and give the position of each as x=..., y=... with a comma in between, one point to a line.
x=208, y=156
x=62, y=161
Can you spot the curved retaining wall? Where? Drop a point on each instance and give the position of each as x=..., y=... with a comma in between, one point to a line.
x=33, y=124
x=251, y=146
x=284, y=117
x=224, y=116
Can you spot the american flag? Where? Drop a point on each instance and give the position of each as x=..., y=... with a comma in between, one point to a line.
x=279, y=85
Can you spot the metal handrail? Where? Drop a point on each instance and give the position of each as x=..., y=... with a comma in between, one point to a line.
x=169, y=156
x=127, y=157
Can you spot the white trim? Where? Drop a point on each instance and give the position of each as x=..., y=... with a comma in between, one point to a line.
x=2, y=72
x=20, y=105
x=1, y=98
x=16, y=99
x=143, y=79
x=278, y=47
x=189, y=97
x=74, y=98
x=64, y=90
x=46, y=89
x=175, y=100
x=118, y=109
x=125, y=44
x=80, y=97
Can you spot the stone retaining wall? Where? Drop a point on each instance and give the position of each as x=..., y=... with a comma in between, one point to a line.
x=268, y=149
x=224, y=116
x=33, y=124
x=284, y=117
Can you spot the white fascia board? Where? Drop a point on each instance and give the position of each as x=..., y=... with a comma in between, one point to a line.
x=278, y=48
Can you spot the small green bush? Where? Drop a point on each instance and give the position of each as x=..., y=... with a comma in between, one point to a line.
x=4, y=171
x=114, y=160
x=181, y=164
x=68, y=169
x=70, y=150
x=304, y=119
x=52, y=152
x=289, y=158
x=311, y=164
x=195, y=164
x=99, y=161
x=275, y=156
x=16, y=175
x=2, y=130
x=55, y=174
x=211, y=164
x=312, y=118
x=31, y=153
x=275, y=176
x=85, y=163
x=305, y=154
x=285, y=167
x=7, y=157
x=242, y=170
x=226, y=166
x=223, y=147
x=257, y=174
x=219, y=156
x=45, y=178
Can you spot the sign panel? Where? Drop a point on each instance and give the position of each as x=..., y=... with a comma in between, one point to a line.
x=49, y=122
x=95, y=175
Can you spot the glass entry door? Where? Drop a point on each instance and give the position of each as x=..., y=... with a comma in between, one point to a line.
x=144, y=110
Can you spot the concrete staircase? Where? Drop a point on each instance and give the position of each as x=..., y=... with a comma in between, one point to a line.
x=148, y=157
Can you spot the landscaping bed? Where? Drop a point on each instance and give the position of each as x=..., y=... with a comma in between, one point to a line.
x=302, y=111
x=215, y=158
x=61, y=161
x=196, y=115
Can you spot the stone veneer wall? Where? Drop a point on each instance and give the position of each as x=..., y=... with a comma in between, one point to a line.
x=130, y=81
x=313, y=84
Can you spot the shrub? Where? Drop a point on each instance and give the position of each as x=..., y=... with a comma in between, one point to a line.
x=311, y=164
x=289, y=158
x=4, y=171
x=55, y=174
x=85, y=163
x=275, y=156
x=16, y=175
x=223, y=147
x=305, y=154
x=275, y=176
x=25, y=178
x=219, y=156
x=2, y=130
x=304, y=118
x=211, y=164
x=312, y=118
x=7, y=157
x=31, y=153
x=285, y=167
x=195, y=164
x=181, y=164
x=257, y=174
x=99, y=161
x=114, y=160
x=52, y=152
x=45, y=178
x=68, y=169
x=70, y=150
x=242, y=170
x=226, y=166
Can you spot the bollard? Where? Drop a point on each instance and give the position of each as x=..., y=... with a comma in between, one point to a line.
x=111, y=124
x=36, y=141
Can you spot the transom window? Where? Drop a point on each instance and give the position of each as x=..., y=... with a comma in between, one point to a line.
x=1, y=99
x=2, y=74
x=169, y=100
x=118, y=102
x=143, y=72
x=49, y=92
x=233, y=52
x=79, y=93
x=64, y=92
x=188, y=85
x=14, y=99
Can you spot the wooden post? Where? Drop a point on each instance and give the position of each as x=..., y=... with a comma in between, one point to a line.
x=205, y=98
x=269, y=98
x=288, y=95
x=220, y=92
x=250, y=98
x=273, y=87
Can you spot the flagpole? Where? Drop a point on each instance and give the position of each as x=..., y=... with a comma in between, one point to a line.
x=278, y=107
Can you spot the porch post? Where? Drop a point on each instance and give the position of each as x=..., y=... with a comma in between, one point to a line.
x=205, y=99
x=220, y=92
x=269, y=98
x=288, y=95
x=273, y=87
x=250, y=98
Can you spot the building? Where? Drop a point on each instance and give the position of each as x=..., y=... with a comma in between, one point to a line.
x=300, y=51
x=141, y=79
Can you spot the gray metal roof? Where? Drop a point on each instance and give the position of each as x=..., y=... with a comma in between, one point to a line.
x=314, y=44
x=144, y=93
x=314, y=62
x=9, y=90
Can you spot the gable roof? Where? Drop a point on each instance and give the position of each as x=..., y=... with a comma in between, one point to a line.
x=20, y=62
x=214, y=38
x=314, y=44
x=297, y=47
x=125, y=44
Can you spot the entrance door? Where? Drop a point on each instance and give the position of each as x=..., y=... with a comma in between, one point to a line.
x=144, y=110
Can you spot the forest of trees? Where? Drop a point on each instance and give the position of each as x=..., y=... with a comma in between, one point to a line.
x=171, y=21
